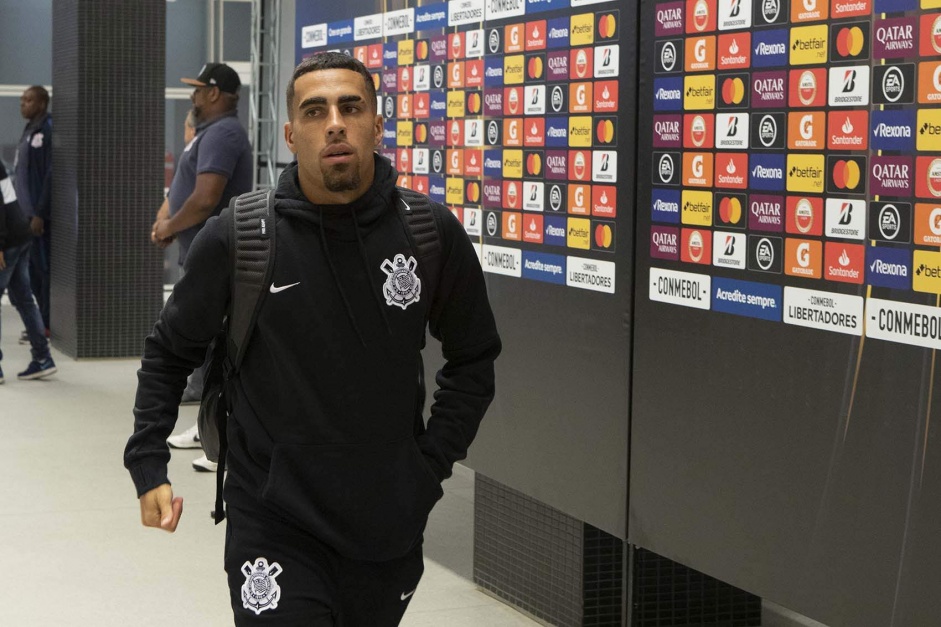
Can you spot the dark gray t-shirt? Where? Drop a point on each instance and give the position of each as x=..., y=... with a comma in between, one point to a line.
x=220, y=147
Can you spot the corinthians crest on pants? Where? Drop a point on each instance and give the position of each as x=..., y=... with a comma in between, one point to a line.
x=402, y=286
x=260, y=591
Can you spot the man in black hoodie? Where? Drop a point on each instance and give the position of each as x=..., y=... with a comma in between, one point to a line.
x=331, y=469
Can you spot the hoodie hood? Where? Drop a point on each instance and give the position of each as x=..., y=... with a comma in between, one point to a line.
x=339, y=221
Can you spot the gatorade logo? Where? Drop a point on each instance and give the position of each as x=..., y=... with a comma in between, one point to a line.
x=809, y=10
x=700, y=54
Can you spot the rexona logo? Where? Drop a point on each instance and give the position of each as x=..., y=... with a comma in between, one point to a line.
x=667, y=94
x=805, y=173
x=765, y=254
x=766, y=172
x=890, y=222
x=664, y=205
x=849, y=41
x=893, y=130
x=809, y=44
x=734, y=14
x=804, y=215
x=844, y=262
x=770, y=48
x=847, y=174
x=808, y=88
x=889, y=267
x=848, y=86
x=846, y=218
x=804, y=258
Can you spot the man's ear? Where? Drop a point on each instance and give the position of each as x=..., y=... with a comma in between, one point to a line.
x=289, y=137
x=378, y=130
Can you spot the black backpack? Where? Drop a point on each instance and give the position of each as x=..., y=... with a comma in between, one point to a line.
x=253, y=231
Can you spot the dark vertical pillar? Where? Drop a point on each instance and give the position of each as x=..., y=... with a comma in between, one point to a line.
x=108, y=143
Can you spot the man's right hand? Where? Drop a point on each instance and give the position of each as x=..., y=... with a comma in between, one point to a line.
x=159, y=509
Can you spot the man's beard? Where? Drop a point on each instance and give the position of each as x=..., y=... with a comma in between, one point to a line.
x=336, y=180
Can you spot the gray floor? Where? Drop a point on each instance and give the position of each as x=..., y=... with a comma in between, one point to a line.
x=70, y=537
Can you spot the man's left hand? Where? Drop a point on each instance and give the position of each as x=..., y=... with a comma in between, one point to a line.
x=162, y=231
x=36, y=225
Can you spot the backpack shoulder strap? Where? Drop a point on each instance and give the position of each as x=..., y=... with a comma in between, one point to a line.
x=253, y=233
x=423, y=232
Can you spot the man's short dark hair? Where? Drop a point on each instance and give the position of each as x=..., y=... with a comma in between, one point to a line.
x=331, y=61
x=41, y=94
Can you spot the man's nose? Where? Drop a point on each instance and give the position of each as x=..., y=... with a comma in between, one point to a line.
x=335, y=122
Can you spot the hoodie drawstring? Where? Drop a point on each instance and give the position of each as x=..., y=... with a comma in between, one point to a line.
x=336, y=280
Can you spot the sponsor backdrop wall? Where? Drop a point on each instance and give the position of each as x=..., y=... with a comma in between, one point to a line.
x=519, y=116
x=785, y=426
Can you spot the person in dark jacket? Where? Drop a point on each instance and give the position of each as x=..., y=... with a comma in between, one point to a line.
x=33, y=184
x=332, y=471
x=15, y=242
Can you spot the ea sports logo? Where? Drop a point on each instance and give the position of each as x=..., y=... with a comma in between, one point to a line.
x=934, y=178
x=668, y=56
x=767, y=131
x=666, y=167
x=804, y=216
x=770, y=10
x=578, y=164
x=701, y=15
x=557, y=99
x=493, y=132
x=437, y=161
x=765, y=254
x=555, y=198
x=695, y=246
x=390, y=107
x=698, y=131
x=889, y=222
x=491, y=224
x=438, y=76
x=893, y=84
x=807, y=87
x=493, y=41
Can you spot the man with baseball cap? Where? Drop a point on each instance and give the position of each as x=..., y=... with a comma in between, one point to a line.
x=215, y=166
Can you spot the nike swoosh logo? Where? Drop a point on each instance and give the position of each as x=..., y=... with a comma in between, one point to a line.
x=406, y=595
x=275, y=290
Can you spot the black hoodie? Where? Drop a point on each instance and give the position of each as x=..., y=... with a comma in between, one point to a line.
x=324, y=430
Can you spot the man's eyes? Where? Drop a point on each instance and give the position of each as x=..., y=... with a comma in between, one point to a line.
x=319, y=111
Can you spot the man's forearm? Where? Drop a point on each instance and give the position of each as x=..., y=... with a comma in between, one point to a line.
x=194, y=211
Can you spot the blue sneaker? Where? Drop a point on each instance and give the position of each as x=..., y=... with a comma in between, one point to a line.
x=38, y=370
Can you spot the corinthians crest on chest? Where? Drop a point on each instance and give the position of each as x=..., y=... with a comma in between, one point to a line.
x=402, y=286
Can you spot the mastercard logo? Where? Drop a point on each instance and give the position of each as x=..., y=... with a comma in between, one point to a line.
x=533, y=165
x=421, y=133
x=473, y=192
x=846, y=175
x=604, y=237
x=730, y=210
x=535, y=67
x=607, y=26
x=733, y=91
x=850, y=41
x=421, y=50
x=473, y=102
x=605, y=131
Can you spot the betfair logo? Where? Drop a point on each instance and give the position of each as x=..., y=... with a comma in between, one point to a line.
x=809, y=45
x=805, y=173
x=700, y=92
